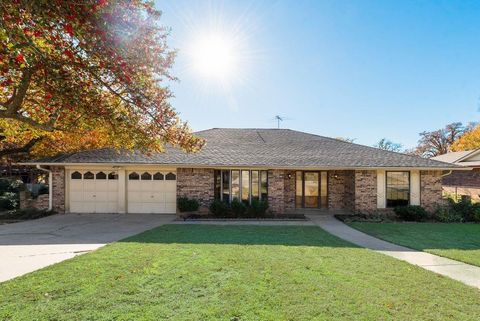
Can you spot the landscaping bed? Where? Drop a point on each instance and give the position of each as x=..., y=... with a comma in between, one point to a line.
x=212, y=272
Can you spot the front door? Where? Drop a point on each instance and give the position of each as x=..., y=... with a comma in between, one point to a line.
x=311, y=189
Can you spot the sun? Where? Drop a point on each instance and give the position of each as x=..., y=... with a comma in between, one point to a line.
x=213, y=56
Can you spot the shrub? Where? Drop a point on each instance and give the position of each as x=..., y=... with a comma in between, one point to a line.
x=411, y=213
x=476, y=215
x=238, y=208
x=8, y=201
x=219, y=208
x=446, y=214
x=465, y=208
x=258, y=208
x=185, y=204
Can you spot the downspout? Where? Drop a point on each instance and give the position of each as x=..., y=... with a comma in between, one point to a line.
x=50, y=186
x=446, y=174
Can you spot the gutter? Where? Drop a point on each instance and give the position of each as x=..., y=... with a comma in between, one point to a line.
x=50, y=186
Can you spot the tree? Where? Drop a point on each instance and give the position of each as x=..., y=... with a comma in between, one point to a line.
x=439, y=142
x=387, y=144
x=86, y=74
x=468, y=141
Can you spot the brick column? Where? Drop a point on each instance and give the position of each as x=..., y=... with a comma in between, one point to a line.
x=58, y=188
x=431, y=190
x=365, y=191
x=276, y=191
x=196, y=183
x=289, y=195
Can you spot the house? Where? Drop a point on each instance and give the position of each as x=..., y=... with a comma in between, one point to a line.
x=293, y=170
x=462, y=183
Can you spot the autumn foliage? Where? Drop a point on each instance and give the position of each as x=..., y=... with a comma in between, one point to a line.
x=86, y=74
x=470, y=140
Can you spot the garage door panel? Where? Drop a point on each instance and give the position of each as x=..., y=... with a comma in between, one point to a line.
x=151, y=196
x=96, y=195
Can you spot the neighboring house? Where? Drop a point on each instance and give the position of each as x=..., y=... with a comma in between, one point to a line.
x=291, y=169
x=462, y=183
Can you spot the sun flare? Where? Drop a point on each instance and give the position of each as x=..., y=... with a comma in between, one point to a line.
x=214, y=56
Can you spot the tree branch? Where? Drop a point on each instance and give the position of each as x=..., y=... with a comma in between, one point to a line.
x=15, y=102
x=20, y=150
x=47, y=127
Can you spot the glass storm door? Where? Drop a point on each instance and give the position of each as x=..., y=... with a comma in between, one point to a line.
x=311, y=189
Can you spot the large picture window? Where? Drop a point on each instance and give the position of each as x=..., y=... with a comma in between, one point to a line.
x=398, y=188
x=244, y=185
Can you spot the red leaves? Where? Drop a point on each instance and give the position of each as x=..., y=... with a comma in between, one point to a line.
x=69, y=54
x=68, y=29
x=20, y=59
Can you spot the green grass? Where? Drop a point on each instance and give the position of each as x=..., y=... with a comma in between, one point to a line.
x=456, y=241
x=207, y=272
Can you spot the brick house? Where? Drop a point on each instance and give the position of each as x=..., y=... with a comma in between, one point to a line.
x=293, y=170
x=462, y=183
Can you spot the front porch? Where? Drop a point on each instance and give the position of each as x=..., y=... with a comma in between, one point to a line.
x=350, y=191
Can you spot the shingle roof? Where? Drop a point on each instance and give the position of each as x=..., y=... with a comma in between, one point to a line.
x=261, y=147
x=460, y=158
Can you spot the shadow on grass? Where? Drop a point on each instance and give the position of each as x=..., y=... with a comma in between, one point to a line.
x=240, y=235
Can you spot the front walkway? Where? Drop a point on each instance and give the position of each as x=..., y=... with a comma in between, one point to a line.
x=32, y=245
x=459, y=271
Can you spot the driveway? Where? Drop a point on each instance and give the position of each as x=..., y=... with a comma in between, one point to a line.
x=31, y=245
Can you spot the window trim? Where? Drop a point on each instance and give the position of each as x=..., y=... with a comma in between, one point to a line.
x=386, y=187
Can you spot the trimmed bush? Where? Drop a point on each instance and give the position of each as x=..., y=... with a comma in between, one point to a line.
x=185, y=204
x=258, y=208
x=411, y=213
x=238, y=208
x=219, y=208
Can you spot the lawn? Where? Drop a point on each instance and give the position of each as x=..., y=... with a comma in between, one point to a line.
x=456, y=241
x=235, y=273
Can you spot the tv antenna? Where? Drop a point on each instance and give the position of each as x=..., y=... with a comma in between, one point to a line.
x=278, y=119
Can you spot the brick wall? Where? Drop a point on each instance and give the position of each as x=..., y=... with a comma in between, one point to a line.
x=289, y=192
x=40, y=203
x=341, y=190
x=58, y=186
x=431, y=189
x=365, y=191
x=276, y=191
x=463, y=178
x=196, y=183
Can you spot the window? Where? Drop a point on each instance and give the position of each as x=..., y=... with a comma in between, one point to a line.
x=146, y=176
x=101, y=175
x=133, y=176
x=236, y=185
x=246, y=186
x=398, y=188
x=113, y=175
x=299, y=189
x=88, y=175
x=158, y=176
x=255, y=185
x=242, y=184
x=324, y=189
x=170, y=177
x=76, y=175
x=264, y=185
x=226, y=186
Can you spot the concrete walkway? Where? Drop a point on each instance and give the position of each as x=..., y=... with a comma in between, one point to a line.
x=466, y=273
x=32, y=245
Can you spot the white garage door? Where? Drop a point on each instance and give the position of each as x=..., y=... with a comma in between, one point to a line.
x=93, y=191
x=152, y=192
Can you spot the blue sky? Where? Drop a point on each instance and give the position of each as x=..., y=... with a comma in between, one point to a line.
x=357, y=69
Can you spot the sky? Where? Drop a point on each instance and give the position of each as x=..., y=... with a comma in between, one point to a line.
x=356, y=69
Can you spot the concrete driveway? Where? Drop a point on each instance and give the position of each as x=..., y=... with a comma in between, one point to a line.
x=31, y=245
